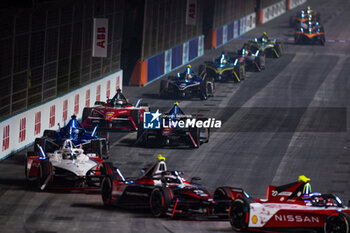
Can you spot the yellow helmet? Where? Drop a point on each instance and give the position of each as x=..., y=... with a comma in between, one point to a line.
x=303, y=179
x=265, y=33
x=161, y=158
x=188, y=66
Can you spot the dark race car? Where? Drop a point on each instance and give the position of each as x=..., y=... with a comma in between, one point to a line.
x=165, y=193
x=74, y=131
x=310, y=33
x=171, y=134
x=115, y=114
x=253, y=58
x=303, y=16
x=226, y=68
x=68, y=167
x=271, y=48
x=187, y=85
x=291, y=207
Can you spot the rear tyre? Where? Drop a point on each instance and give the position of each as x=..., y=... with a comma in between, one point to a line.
x=204, y=90
x=136, y=117
x=223, y=198
x=195, y=133
x=86, y=114
x=239, y=213
x=50, y=133
x=323, y=40
x=160, y=200
x=163, y=89
x=337, y=223
x=44, y=170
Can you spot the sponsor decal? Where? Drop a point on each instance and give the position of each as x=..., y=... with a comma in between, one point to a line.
x=22, y=130
x=254, y=219
x=296, y=218
x=37, y=125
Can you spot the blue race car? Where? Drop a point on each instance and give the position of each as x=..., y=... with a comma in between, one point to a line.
x=90, y=142
x=188, y=85
x=226, y=68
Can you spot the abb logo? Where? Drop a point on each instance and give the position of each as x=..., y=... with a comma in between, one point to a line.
x=108, y=92
x=65, y=110
x=98, y=93
x=76, y=104
x=101, y=37
x=87, y=98
x=22, y=130
x=117, y=82
x=6, y=138
x=52, y=116
x=37, y=125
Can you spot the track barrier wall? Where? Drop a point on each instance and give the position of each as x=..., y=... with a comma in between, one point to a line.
x=291, y=4
x=273, y=11
x=161, y=64
x=20, y=131
x=232, y=30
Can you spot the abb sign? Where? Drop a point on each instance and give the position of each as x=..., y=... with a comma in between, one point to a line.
x=99, y=46
x=191, y=12
x=22, y=130
x=76, y=104
x=6, y=138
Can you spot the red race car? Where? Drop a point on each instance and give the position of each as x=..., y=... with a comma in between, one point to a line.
x=291, y=207
x=115, y=114
x=165, y=193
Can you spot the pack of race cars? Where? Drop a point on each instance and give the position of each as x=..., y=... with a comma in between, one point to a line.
x=73, y=158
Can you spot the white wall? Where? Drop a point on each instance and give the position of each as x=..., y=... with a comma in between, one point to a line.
x=274, y=11
x=295, y=3
x=18, y=141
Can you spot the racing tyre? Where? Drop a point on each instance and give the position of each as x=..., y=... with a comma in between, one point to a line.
x=239, y=214
x=202, y=70
x=106, y=190
x=160, y=200
x=204, y=90
x=50, y=133
x=99, y=146
x=86, y=114
x=195, y=134
x=223, y=198
x=99, y=103
x=44, y=170
x=337, y=223
x=136, y=117
x=163, y=89
x=323, y=40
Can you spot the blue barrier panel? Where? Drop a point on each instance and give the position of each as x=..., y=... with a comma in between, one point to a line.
x=193, y=50
x=176, y=58
x=155, y=67
x=219, y=37
x=230, y=31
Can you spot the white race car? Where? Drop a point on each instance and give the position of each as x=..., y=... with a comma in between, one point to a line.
x=67, y=167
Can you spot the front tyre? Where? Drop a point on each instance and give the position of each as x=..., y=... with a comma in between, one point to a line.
x=337, y=223
x=160, y=200
x=106, y=190
x=239, y=214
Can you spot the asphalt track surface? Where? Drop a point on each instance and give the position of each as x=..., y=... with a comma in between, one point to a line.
x=288, y=120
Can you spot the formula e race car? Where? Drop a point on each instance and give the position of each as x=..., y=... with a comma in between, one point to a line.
x=67, y=167
x=303, y=16
x=291, y=207
x=271, y=48
x=310, y=33
x=115, y=114
x=226, y=68
x=91, y=142
x=253, y=58
x=188, y=85
x=171, y=132
x=165, y=193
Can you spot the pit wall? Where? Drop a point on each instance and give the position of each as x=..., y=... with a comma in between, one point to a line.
x=20, y=131
x=230, y=31
x=161, y=64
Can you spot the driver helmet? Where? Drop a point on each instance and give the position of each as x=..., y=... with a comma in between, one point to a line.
x=75, y=133
x=119, y=102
